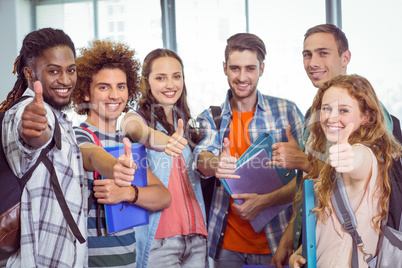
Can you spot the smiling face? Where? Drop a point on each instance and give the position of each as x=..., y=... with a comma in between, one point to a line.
x=338, y=109
x=108, y=97
x=243, y=71
x=56, y=69
x=166, y=80
x=321, y=59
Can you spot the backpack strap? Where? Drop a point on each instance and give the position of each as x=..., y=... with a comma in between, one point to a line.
x=97, y=142
x=216, y=116
x=43, y=158
x=344, y=211
x=91, y=198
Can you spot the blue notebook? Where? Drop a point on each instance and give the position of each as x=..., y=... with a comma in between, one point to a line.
x=118, y=219
x=257, y=177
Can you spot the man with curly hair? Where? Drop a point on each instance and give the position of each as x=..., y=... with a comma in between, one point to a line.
x=107, y=85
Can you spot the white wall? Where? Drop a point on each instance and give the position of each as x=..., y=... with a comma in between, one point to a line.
x=14, y=24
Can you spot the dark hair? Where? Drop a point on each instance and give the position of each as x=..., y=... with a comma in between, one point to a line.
x=100, y=55
x=155, y=113
x=33, y=46
x=340, y=37
x=246, y=41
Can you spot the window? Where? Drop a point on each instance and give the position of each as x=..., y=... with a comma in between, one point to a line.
x=375, y=44
x=282, y=25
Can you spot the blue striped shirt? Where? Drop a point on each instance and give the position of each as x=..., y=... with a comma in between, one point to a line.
x=108, y=250
x=271, y=115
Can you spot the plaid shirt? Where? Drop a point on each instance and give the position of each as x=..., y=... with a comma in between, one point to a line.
x=271, y=115
x=46, y=240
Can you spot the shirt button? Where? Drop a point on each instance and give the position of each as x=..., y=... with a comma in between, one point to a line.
x=68, y=131
x=226, y=212
x=301, y=210
x=78, y=157
x=297, y=233
x=222, y=234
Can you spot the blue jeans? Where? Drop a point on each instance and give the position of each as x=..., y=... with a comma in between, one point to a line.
x=233, y=259
x=179, y=251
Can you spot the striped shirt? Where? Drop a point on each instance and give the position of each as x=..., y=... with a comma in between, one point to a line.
x=46, y=240
x=108, y=250
x=271, y=115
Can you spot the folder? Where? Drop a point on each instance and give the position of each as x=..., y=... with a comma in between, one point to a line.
x=123, y=216
x=309, y=250
x=257, y=177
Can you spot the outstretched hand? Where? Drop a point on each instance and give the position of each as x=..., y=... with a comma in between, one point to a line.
x=176, y=142
x=227, y=163
x=34, y=120
x=124, y=169
x=341, y=156
x=288, y=154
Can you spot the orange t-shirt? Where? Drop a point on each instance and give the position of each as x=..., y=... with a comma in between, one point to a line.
x=240, y=235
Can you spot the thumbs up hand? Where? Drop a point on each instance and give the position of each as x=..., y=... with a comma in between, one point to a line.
x=176, y=143
x=124, y=169
x=288, y=154
x=341, y=155
x=227, y=163
x=34, y=120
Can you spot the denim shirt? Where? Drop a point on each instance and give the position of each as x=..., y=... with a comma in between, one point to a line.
x=160, y=164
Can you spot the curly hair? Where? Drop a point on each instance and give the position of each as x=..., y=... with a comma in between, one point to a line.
x=155, y=113
x=105, y=54
x=33, y=47
x=372, y=133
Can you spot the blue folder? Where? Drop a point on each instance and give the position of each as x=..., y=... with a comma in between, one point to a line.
x=123, y=216
x=309, y=243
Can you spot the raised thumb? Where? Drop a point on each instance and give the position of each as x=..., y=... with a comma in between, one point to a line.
x=289, y=134
x=344, y=137
x=38, y=89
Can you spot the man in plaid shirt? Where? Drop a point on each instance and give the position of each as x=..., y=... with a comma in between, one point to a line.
x=46, y=75
x=245, y=114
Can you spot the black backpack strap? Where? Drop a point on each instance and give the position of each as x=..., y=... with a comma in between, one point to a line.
x=346, y=216
x=216, y=115
x=62, y=201
x=56, y=141
x=397, y=128
x=92, y=199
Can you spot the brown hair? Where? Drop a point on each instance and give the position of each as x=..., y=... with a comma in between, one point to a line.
x=372, y=133
x=100, y=55
x=154, y=113
x=339, y=35
x=246, y=41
